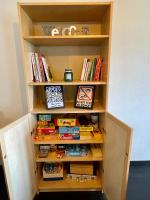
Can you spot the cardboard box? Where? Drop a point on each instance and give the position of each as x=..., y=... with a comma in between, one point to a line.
x=82, y=168
x=71, y=130
x=52, y=171
x=66, y=120
x=86, y=128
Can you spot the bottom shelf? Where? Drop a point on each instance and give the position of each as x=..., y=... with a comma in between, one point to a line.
x=69, y=185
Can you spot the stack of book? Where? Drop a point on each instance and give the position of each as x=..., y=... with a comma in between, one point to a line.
x=92, y=70
x=39, y=68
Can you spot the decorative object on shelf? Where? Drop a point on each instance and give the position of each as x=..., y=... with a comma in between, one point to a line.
x=54, y=96
x=85, y=30
x=47, y=28
x=52, y=30
x=68, y=75
x=85, y=96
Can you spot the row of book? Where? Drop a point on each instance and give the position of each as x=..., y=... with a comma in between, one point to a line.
x=92, y=70
x=39, y=68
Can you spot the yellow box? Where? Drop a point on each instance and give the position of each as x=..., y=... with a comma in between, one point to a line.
x=81, y=168
x=86, y=128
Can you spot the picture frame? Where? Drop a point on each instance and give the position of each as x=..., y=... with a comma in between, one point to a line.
x=85, y=96
x=54, y=96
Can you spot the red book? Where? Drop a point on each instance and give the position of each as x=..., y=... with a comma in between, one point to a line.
x=97, y=70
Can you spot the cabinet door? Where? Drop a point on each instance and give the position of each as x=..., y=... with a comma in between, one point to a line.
x=18, y=159
x=117, y=144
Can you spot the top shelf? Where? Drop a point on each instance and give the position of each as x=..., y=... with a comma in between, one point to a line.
x=39, y=12
x=83, y=40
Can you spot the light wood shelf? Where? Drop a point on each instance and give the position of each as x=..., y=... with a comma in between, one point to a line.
x=67, y=83
x=83, y=40
x=69, y=108
x=69, y=185
x=55, y=140
x=52, y=158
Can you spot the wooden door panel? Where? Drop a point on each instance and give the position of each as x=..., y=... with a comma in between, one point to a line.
x=116, y=158
x=17, y=158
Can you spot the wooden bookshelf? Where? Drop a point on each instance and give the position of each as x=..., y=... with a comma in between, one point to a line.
x=85, y=40
x=52, y=158
x=69, y=108
x=69, y=185
x=68, y=83
x=55, y=140
x=62, y=52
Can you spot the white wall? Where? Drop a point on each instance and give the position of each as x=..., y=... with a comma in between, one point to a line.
x=129, y=95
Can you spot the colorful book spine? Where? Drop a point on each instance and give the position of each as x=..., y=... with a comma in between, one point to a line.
x=31, y=67
x=46, y=69
x=94, y=68
x=83, y=69
x=90, y=71
x=37, y=67
x=97, y=70
x=41, y=68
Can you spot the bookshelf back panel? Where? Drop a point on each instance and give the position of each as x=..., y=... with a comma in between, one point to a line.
x=93, y=15
x=60, y=58
x=69, y=93
x=93, y=27
x=65, y=11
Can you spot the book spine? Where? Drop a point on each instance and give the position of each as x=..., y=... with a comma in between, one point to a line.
x=41, y=67
x=38, y=68
x=96, y=76
x=90, y=71
x=87, y=70
x=91, y=77
x=31, y=67
x=83, y=69
x=94, y=68
x=46, y=68
x=102, y=70
x=35, y=68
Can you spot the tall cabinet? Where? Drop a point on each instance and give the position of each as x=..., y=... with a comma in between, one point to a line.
x=21, y=164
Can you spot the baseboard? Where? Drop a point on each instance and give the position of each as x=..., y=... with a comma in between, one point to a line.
x=140, y=163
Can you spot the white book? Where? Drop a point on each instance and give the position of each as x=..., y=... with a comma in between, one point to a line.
x=38, y=67
x=88, y=64
x=83, y=69
x=45, y=68
x=31, y=68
